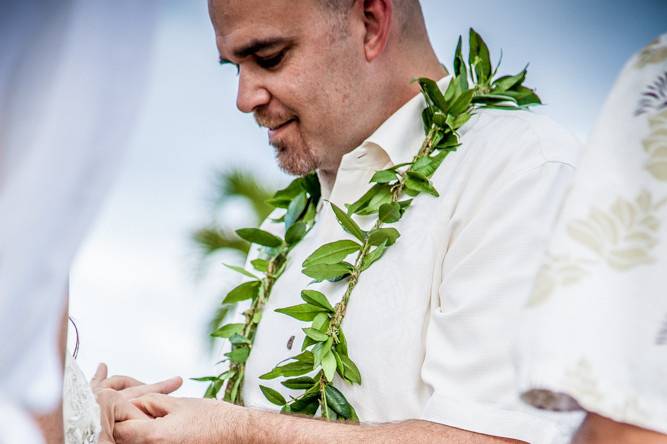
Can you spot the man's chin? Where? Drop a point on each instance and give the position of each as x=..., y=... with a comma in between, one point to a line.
x=296, y=161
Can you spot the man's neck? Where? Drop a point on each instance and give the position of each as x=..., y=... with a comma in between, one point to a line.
x=433, y=70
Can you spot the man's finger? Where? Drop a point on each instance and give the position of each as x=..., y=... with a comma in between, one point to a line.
x=132, y=431
x=155, y=405
x=100, y=374
x=120, y=382
x=165, y=387
x=125, y=411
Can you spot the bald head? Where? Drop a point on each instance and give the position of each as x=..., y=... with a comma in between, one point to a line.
x=407, y=14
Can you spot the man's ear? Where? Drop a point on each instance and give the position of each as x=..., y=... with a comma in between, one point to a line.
x=377, y=18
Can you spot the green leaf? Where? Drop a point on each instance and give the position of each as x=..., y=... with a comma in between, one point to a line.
x=384, y=176
x=295, y=233
x=205, y=379
x=238, y=339
x=302, y=312
x=306, y=405
x=415, y=182
x=239, y=355
x=348, y=223
x=273, y=374
x=316, y=298
x=321, y=322
x=320, y=349
x=332, y=253
x=390, y=212
x=363, y=201
x=337, y=402
x=283, y=197
x=449, y=143
x=428, y=165
x=272, y=395
x=228, y=330
x=350, y=370
x=295, y=209
x=213, y=389
x=508, y=82
x=260, y=237
x=328, y=272
x=460, y=69
x=288, y=370
x=241, y=270
x=383, y=235
x=341, y=347
x=432, y=94
x=247, y=290
x=479, y=57
x=383, y=196
x=373, y=256
x=427, y=119
x=462, y=103
x=261, y=265
x=300, y=383
x=329, y=365
x=315, y=335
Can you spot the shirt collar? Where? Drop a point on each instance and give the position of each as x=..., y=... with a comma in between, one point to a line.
x=395, y=141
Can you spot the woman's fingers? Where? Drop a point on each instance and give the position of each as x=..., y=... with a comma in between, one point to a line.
x=118, y=382
x=164, y=387
x=100, y=375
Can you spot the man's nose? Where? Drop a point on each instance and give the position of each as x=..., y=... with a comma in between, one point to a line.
x=251, y=94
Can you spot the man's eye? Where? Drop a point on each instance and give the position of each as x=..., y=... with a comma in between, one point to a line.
x=272, y=61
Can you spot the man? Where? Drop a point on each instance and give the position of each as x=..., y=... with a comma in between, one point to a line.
x=430, y=326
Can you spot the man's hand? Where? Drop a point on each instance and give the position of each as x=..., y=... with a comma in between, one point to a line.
x=181, y=420
x=114, y=395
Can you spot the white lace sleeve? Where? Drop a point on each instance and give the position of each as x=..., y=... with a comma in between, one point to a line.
x=81, y=413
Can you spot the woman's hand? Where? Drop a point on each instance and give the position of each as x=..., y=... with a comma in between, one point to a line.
x=114, y=394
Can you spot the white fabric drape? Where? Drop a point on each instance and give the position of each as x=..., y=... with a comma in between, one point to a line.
x=71, y=75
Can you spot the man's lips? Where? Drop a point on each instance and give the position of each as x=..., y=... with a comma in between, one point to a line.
x=273, y=132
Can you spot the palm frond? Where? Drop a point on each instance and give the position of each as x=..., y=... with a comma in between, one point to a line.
x=212, y=239
x=238, y=183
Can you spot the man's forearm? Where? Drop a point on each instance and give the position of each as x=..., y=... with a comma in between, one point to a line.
x=259, y=427
x=600, y=430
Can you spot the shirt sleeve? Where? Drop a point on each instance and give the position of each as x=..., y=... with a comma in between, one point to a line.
x=487, y=275
x=594, y=334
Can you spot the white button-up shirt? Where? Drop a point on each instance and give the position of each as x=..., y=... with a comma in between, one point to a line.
x=431, y=324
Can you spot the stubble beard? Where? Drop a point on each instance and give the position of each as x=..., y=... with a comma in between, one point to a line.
x=294, y=156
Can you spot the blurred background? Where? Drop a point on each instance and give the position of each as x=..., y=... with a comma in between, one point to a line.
x=149, y=278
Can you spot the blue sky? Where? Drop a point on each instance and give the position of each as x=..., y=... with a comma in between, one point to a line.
x=134, y=295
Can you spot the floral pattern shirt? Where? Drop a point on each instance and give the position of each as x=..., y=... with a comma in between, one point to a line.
x=594, y=334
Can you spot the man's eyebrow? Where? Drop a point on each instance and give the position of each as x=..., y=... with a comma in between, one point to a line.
x=258, y=45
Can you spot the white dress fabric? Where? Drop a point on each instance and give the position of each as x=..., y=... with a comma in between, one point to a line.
x=431, y=324
x=80, y=410
x=71, y=75
x=594, y=335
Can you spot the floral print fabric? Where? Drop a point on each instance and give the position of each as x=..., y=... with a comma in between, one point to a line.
x=594, y=333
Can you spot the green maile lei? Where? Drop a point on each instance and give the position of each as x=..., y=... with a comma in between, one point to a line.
x=299, y=201
x=324, y=351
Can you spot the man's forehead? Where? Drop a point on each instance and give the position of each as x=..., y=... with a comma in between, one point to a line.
x=230, y=16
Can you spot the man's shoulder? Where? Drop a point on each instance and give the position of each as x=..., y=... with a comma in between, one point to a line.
x=524, y=134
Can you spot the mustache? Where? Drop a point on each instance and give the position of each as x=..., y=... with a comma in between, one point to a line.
x=267, y=120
